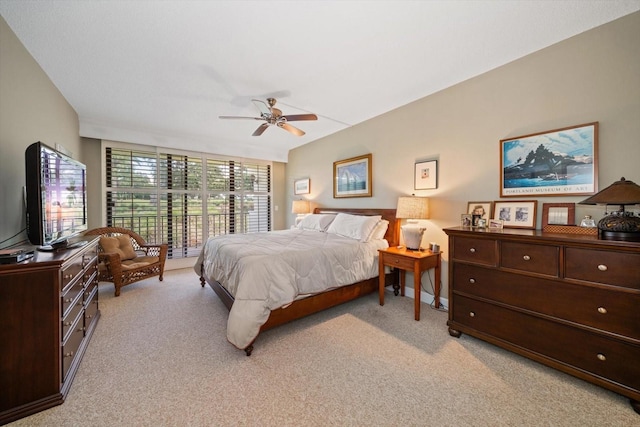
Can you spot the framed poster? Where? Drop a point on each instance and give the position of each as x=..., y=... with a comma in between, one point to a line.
x=560, y=162
x=352, y=177
x=516, y=214
x=302, y=186
x=426, y=175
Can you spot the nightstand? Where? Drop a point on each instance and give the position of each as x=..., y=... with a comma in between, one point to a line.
x=408, y=260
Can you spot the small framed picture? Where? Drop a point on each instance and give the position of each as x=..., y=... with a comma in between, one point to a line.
x=480, y=209
x=466, y=220
x=558, y=214
x=302, y=186
x=516, y=214
x=496, y=224
x=481, y=223
x=426, y=175
x=352, y=177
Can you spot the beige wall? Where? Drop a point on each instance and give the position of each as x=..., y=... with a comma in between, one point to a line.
x=31, y=109
x=594, y=76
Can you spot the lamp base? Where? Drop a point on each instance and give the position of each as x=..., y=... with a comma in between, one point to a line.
x=620, y=226
x=412, y=235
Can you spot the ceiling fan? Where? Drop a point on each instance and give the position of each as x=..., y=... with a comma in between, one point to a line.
x=273, y=117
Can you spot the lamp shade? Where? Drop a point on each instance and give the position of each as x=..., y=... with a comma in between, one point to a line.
x=411, y=207
x=300, y=207
x=621, y=192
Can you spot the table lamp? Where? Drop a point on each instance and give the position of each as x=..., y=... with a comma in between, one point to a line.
x=412, y=208
x=618, y=225
x=301, y=208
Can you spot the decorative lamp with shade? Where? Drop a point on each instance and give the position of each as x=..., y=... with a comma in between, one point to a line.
x=618, y=225
x=412, y=208
x=301, y=208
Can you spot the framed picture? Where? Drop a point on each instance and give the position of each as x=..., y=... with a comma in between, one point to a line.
x=302, y=186
x=479, y=210
x=558, y=214
x=465, y=220
x=426, y=175
x=352, y=177
x=516, y=214
x=496, y=224
x=561, y=162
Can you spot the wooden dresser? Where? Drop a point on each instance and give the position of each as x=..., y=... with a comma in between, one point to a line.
x=571, y=302
x=48, y=312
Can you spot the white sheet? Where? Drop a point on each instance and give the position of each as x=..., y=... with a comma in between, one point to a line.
x=266, y=271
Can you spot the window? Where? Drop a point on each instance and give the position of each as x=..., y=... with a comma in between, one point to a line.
x=182, y=199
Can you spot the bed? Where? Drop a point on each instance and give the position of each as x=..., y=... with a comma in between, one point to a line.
x=250, y=272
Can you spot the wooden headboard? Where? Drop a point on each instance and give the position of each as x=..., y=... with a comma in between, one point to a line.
x=393, y=232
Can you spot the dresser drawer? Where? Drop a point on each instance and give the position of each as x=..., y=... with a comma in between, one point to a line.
x=70, y=318
x=91, y=309
x=70, y=295
x=541, y=259
x=71, y=271
x=481, y=251
x=607, y=267
x=611, y=311
x=607, y=358
x=71, y=345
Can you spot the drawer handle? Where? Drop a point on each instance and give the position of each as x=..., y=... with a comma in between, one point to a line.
x=601, y=356
x=602, y=267
x=472, y=280
x=67, y=323
x=397, y=261
x=70, y=354
x=68, y=300
x=472, y=314
x=68, y=276
x=472, y=250
x=526, y=257
x=89, y=316
x=602, y=310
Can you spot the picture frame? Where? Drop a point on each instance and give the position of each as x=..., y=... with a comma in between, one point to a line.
x=496, y=224
x=302, y=186
x=352, y=177
x=479, y=210
x=426, y=175
x=558, y=214
x=517, y=213
x=559, y=162
x=465, y=220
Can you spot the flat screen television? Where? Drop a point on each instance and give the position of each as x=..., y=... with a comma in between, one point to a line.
x=56, y=196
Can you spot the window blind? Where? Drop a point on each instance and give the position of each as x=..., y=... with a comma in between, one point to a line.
x=184, y=198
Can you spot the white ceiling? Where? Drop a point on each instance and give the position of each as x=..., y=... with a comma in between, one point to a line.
x=161, y=72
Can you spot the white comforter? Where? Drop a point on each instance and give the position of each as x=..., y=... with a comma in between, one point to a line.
x=266, y=271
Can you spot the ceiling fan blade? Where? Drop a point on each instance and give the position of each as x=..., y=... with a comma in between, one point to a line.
x=261, y=129
x=240, y=117
x=262, y=106
x=292, y=129
x=296, y=117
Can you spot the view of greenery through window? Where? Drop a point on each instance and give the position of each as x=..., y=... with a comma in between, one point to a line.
x=183, y=199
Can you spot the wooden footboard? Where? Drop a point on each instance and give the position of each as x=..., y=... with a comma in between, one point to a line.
x=310, y=305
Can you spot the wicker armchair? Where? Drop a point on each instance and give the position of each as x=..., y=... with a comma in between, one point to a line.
x=145, y=260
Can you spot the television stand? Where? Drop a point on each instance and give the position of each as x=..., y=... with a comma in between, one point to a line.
x=63, y=245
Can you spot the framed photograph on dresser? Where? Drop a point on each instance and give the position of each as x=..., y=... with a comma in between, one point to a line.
x=516, y=214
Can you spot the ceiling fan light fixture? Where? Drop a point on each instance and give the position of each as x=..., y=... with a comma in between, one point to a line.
x=274, y=116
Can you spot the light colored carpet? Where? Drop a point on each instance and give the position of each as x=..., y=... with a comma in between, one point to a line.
x=159, y=357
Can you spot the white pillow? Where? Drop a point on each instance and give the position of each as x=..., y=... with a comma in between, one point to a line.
x=379, y=230
x=316, y=222
x=354, y=226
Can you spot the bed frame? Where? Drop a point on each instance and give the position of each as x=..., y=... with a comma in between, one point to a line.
x=313, y=304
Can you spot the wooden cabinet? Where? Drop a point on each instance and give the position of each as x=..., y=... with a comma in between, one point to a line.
x=571, y=302
x=48, y=312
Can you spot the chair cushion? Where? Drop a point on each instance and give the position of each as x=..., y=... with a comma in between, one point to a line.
x=120, y=244
x=140, y=261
